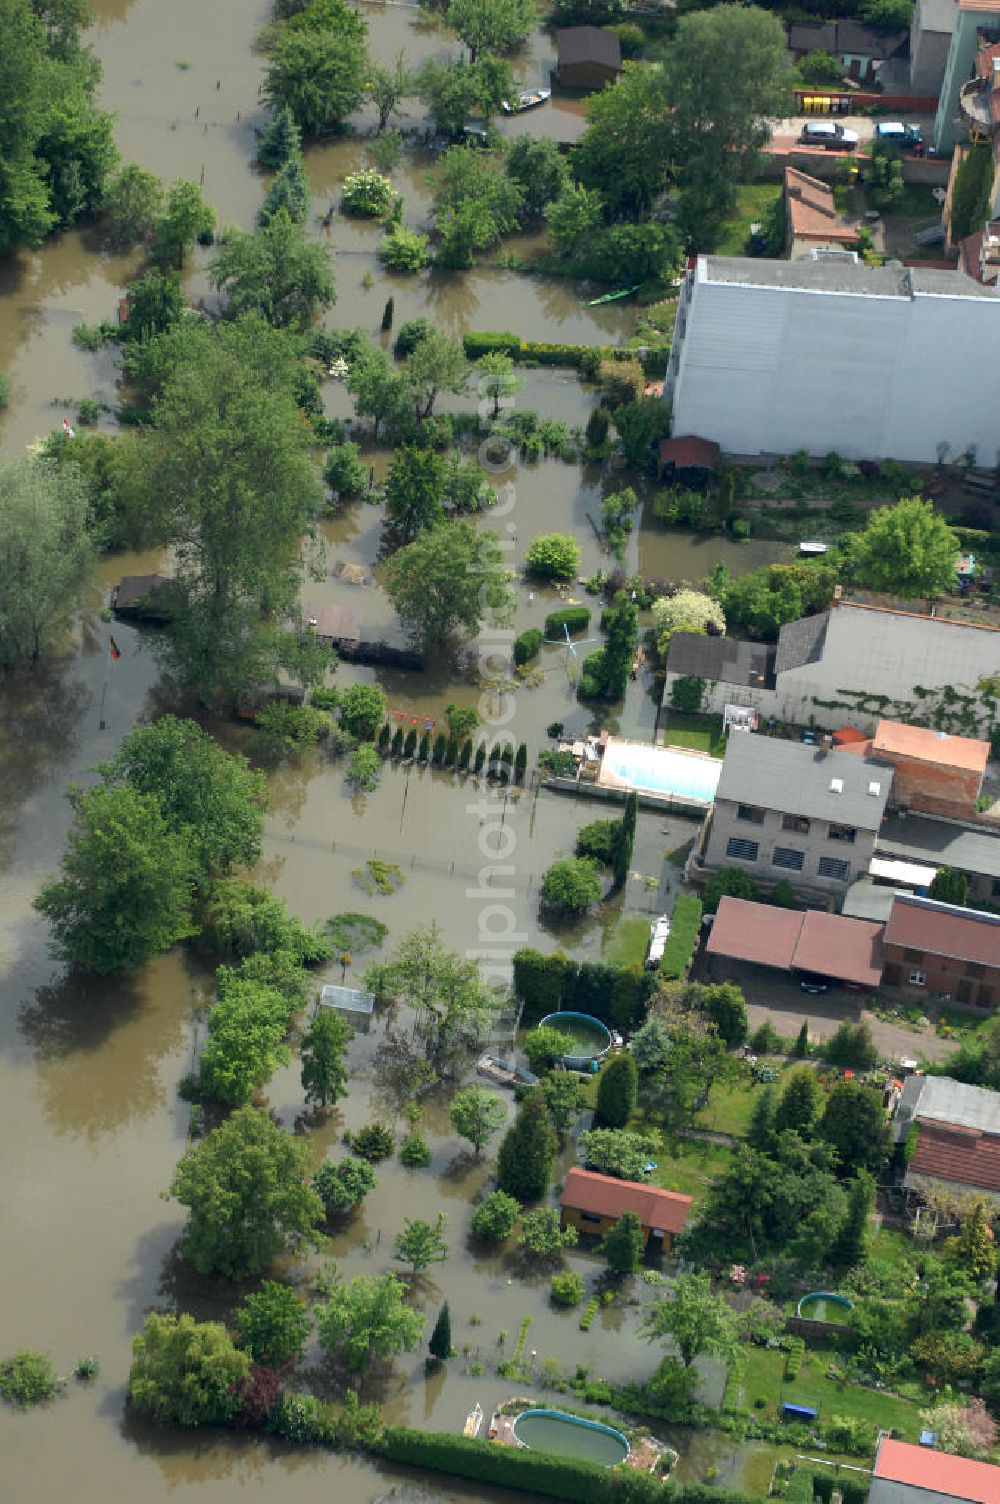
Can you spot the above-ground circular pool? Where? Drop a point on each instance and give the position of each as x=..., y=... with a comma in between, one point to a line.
x=822, y=1306
x=591, y=1039
x=563, y=1435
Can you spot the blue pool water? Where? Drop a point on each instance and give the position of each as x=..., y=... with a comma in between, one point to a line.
x=661, y=770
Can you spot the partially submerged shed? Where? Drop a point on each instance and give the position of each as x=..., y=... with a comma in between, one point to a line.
x=587, y=57
x=356, y=1007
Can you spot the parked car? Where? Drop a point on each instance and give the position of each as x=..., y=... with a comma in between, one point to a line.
x=829, y=134
x=811, y=981
x=906, y=137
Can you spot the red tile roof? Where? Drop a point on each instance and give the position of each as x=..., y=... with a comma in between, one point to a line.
x=924, y=745
x=745, y=931
x=943, y=930
x=812, y=212
x=837, y=946
x=690, y=451
x=832, y=944
x=937, y=1472
x=604, y=1196
x=963, y=1156
x=848, y=734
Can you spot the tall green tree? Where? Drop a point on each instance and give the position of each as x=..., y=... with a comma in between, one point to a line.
x=907, y=550
x=318, y=73
x=366, y=1320
x=388, y=88
x=716, y=123
x=491, y=25
x=185, y=218
x=949, y=886
x=46, y=555
x=799, y=1105
x=246, y=1040
x=127, y=883
x=440, y=1344
x=274, y=272
x=186, y=1372
x=524, y=1163
x=851, y=1244
x=133, y=202
x=421, y=1243
x=477, y=1114
x=854, y=1123
x=539, y=168
x=280, y=141
x=452, y=1003
x=695, y=1320
x=573, y=218
x=413, y=494
x=227, y=472
x=454, y=92
x=436, y=365
x=617, y=1092
x=155, y=304
x=324, y=1045
x=475, y=203
x=379, y=388
x=625, y=151
x=761, y=1132
x=623, y=1247
x=272, y=1324
x=289, y=191
x=447, y=582
x=214, y=799
x=248, y=1201
x=975, y=1246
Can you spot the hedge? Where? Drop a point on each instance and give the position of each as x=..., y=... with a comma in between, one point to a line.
x=685, y=924
x=538, y=1473
x=489, y=344
x=586, y=357
x=526, y=646
x=576, y=618
x=615, y=994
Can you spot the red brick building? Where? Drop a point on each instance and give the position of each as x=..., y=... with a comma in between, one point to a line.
x=934, y=773
x=941, y=949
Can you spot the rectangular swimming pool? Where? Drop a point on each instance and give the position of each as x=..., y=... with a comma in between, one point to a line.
x=660, y=770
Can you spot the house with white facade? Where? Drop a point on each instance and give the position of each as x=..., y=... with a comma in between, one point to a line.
x=854, y=663
x=828, y=354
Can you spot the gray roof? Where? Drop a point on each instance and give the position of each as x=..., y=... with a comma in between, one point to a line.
x=867, y=900
x=946, y=1101
x=347, y=999
x=840, y=274
x=796, y=779
x=725, y=660
x=939, y=843
x=588, y=44
x=801, y=642
x=937, y=15
x=844, y=37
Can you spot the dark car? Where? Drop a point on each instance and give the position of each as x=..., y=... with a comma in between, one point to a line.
x=811, y=981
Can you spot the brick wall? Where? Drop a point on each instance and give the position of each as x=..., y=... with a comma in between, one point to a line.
x=933, y=788
x=942, y=974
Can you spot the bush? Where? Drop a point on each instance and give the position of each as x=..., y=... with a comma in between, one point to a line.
x=292, y=728
x=343, y=1186
x=685, y=926
x=489, y=344
x=571, y=886
x=970, y=194
x=414, y=1153
x=687, y=694
x=410, y=335
x=820, y=68
x=27, y=1378
x=566, y=1289
x=344, y=473
x=494, y=1219
x=367, y=193
x=574, y=618
x=554, y=556
x=598, y=840
x=373, y=1142
x=526, y=646
x=853, y=1046
x=362, y=710
x=729, y=883
x=405, y=250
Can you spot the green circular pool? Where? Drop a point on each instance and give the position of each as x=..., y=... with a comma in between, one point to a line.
x=822, y=1306
x=565, y=1435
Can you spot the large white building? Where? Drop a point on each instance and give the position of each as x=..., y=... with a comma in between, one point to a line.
x=828, y=354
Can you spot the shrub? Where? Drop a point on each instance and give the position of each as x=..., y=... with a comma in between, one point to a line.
x=729, y=883
x=571, y=886
x=343, y=1186
x=367, y=193
x=852, y=1045
x=405, y=250
x=488, y=344
x=526, y=646
x=687, y=694
x=617, y=1092
x=27, y=1378
x=344, y=473
x=292, y=728
x=554, y=556
x=598, y=839
x=410, y=336
x=373, y=1142
x=685, y=926
x=575, y=618
x=590, y=1311
x=796, y=1353
x=414, y=1153
x=566, y=1289
x=362, y=710
x=494, y=1219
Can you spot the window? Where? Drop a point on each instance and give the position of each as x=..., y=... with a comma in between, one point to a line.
x=916, y=956
x=784, y=856
x=744, y=851
x=918, y=978
x=973, y=969
x=996, y=887
x=798, y=823
x=750, y=813
x=842, y=832
x=590, y=1217
x=830, y=866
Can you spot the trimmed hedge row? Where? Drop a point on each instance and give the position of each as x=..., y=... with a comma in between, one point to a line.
x=526, y=646
x=685, y=924
x=538, y=1473
x=585, y=357
x=576, y=618
x=615, y=994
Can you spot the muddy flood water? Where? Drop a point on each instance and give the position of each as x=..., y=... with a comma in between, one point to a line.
x=91, y=1126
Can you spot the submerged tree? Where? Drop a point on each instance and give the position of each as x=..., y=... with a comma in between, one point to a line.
x=447, y=582
x=275, y=272
x=46, y=554
x=440, y=1344
x=324, y=1073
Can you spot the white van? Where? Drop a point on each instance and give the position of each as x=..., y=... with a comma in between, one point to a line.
x=829, y=134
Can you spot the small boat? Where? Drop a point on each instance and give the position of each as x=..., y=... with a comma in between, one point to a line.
x=612, y=297
x=529, y=100
x=474, y=1422
x=812, y=550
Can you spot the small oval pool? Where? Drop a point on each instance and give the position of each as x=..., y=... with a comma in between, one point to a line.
x=565, y=1435
x=591, y=1039
x=822, y=1306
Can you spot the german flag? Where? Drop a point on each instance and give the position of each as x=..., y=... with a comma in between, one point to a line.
x=114, y=650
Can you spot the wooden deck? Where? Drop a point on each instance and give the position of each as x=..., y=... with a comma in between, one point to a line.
x=502, y=1430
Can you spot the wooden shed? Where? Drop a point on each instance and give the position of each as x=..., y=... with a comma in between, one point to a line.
x=593, y=1203
x=588, y=58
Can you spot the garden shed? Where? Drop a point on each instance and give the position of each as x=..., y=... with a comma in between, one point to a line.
x=356, y=1007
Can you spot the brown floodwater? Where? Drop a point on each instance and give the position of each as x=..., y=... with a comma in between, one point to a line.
x=92, y=1126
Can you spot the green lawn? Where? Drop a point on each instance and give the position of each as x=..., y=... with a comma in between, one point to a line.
x=688, y=1166
x=629, y=943
x=753, y=202
x=762, y=1377
x=702, y=733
